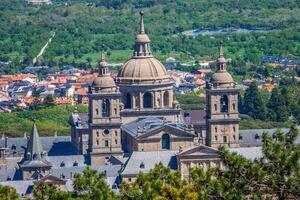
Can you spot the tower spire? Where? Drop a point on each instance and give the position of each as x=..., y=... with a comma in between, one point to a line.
x=142, y=27
x=142, y=42
x=34, y=146
x=221, y=60
x=103, y=64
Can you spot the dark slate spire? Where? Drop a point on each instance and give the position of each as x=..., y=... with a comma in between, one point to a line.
x=221, y=60
x=142, y=42
x=34, y=147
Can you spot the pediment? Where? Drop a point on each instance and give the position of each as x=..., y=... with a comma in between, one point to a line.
x=167, y=129
x=200, y=150
x=51, y=179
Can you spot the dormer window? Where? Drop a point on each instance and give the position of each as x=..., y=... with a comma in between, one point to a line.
x=142, y=165
x=257, y=137
x=13, y=147
x=75, y=164
x=62, y=164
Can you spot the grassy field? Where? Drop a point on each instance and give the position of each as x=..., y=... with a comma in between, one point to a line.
x=49, y=120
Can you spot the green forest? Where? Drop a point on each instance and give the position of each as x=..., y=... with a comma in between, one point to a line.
x=82, y=26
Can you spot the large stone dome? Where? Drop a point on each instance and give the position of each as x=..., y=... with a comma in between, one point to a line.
x=221, y=77
x=104, y=82
x=143, y=68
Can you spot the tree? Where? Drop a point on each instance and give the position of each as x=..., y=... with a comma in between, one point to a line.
x=253, y=103
x=276, y=175
x=91, y=185
x=44, y=191
x=277, y=107
x=49, y=101
x=8, y=193
x=159, y=184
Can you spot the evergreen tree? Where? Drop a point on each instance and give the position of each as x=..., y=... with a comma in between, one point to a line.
x=253, y=103
x=277, y=109
x=91, y=185
x=8, y=193
x=44, y=191
x=159, y=184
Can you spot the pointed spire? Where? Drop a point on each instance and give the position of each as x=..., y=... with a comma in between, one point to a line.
x=34, y=146
x=142, y=28
x=221, y=59
x=142, y=42
x=103, y=64
x=221, y=52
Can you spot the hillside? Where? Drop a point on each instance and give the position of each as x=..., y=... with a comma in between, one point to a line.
x=49, y=121
x=82, y=26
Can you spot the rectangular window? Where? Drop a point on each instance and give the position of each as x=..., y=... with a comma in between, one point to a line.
x=224, y=139
x=106, y=143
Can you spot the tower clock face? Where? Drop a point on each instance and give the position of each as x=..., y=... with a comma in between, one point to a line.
x=106, y=132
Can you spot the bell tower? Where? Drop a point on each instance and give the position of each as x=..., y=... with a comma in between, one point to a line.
x=222, y=115
x=104, y=116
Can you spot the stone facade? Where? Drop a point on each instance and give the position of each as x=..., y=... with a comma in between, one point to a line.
x=222, y=116
x=104, y=117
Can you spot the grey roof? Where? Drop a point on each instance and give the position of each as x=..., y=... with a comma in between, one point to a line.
x=250, y=153
x=22, y=187
x=68, y=172
x=54, y=145
x=67, y=161
x=141, y=161
x=195, y=117
x=145, y=125
x=253, y=137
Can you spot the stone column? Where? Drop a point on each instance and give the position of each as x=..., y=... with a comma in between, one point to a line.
x=170, y=98
x=133, y=99
x=161, y=99
x=141, y=100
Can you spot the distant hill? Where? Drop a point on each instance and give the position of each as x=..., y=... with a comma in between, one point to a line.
x=82, y=26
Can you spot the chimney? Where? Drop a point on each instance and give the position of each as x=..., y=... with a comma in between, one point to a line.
x=5, y=144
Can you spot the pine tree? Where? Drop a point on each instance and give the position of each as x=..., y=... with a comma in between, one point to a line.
x=91, y=185
x=159, y=184
x=253, y=103
x=277, y=109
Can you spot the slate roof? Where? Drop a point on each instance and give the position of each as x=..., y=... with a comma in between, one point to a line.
x=195, y=117
x=253, y=137
x=22, y=187
x=250, y=153
x=145, y=125
x=54, y=145
x=35, y=155
x=141, y=161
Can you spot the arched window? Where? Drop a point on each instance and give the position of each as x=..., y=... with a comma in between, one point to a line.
x=105, y=108
x=166, y=99
x=128, y=101
x=165, y=141
x=224, y=103
x=147, y=100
